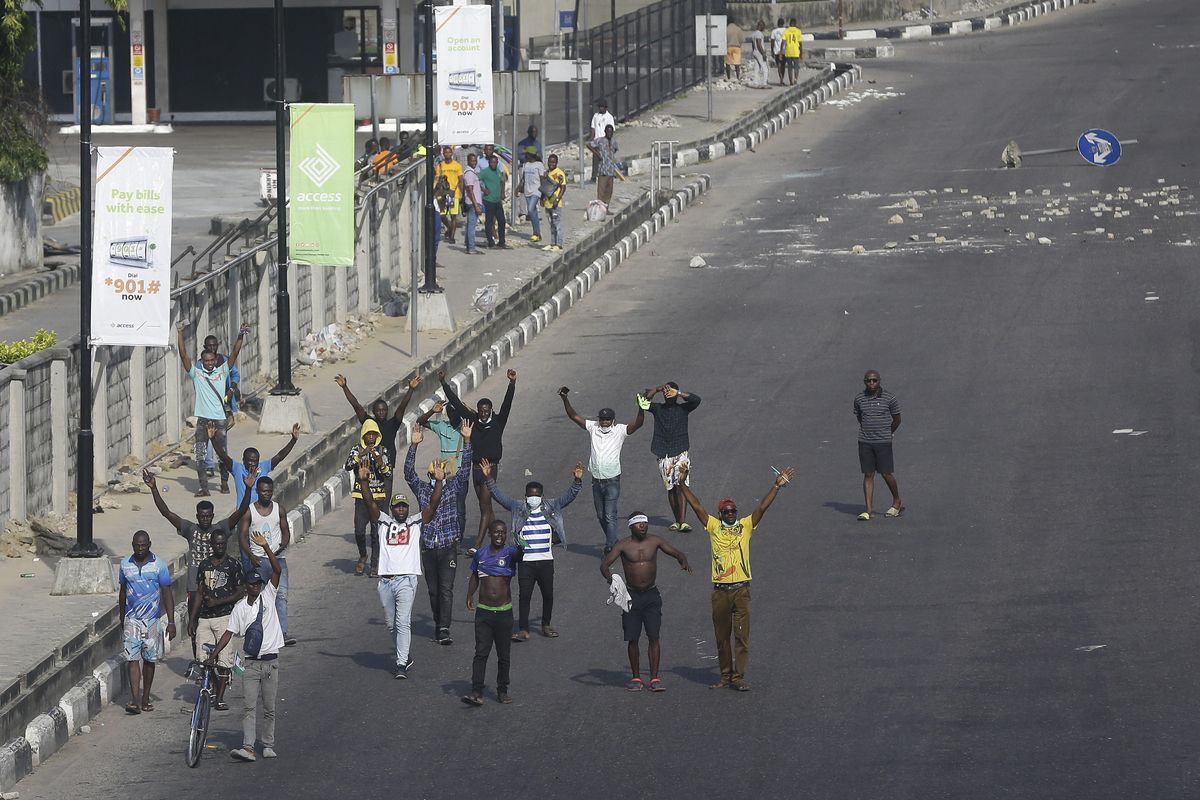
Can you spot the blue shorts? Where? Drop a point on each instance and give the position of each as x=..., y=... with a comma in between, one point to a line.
x=145, y=640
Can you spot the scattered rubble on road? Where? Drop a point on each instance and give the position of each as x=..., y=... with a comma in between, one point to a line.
x=652, y=121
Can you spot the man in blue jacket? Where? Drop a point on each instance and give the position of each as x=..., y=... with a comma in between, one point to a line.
x=537, y=521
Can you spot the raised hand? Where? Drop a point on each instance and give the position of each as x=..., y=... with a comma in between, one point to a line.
x=485, y=467
x=643, y=402
x=244, y=330
x=564, y=391
x=467, y=428
x=259, y=539
x=785, y=477
x=340, y=380
x=296, y=431
x=179, y=326
x=363, y=472
x=578, y=471
x=512, y=374
x=250, y=478
x=148, y=478
x=441, y=375
x=414, y=382
x=439, y=406
x=439, y=470
x=417, y=436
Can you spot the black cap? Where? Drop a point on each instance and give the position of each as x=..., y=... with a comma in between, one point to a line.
x=254, y=576
x=607, y=413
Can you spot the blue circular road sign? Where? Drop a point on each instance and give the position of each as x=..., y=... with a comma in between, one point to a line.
x=1099, y=147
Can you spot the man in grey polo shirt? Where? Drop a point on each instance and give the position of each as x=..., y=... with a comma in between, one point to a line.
x=878, y=413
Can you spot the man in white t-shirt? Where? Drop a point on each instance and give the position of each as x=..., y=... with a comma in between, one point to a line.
x=400, y=557
x=777, y=48
x=268, y=519
x=255, y=620
x=608, y=436
x=600, y=122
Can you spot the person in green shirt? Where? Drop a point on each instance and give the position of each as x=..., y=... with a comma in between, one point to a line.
x=494, y=190
x=452, y=449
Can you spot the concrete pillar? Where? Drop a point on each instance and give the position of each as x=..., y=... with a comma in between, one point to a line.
x=137, y=403
x=59, y=433
x=162, y=60
x=266, y=333
x=18, y=471
x=316, y=280
x=365, y=250
x=139, y=62
x=293, y=288
x=405, y=44
x=100, y=415
x=174, y=394
x=341, y=293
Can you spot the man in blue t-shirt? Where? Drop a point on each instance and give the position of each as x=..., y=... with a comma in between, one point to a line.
x=210, y=379
x=250, y=462
x=145, y=596
x=492, y=571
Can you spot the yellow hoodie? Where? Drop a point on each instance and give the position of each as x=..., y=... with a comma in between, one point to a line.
x=376, y=456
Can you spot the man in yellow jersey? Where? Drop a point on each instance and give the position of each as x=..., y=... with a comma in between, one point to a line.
x=792, y=50
x=452, y=171
x=730, y=541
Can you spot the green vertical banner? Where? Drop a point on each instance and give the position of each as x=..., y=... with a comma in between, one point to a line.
x=321, y=185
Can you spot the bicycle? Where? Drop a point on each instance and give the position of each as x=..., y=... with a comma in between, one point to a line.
x=206, y=676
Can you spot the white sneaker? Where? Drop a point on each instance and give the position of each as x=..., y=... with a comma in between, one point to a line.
x=268, y=752
x=244, y=754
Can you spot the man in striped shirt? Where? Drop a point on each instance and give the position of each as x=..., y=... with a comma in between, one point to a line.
x=536, y=521
x=878, y=413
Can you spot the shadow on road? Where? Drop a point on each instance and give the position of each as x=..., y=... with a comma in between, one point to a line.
x=601, y=677
x=703, y=677
x=853, y=509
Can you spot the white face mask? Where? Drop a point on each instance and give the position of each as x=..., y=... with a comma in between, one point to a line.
x=534, y=502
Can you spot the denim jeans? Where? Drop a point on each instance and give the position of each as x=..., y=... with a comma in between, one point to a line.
x=605, y=492
x=531, y=208
x=555, y=215
x=261, y=679
x=397, y=594
x=281, y=594
x=469, y=231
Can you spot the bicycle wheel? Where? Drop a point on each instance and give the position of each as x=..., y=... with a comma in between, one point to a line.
x=199, y=732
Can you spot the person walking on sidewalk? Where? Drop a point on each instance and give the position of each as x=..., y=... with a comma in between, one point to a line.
x=878, y=414
x=601, y=121
x=491, y=574
x=639, y=559
x=472, y=202
x=530, y=187
x=368, y=452
x=400, y=559
x=605, y=151
x=144, y=599
x=758, y=52
x=729, y=538
x=670, y=443
x=777, y=48
x=269, y=521
x=793, y=50
x=449, y=170
x=495, y=189
x=553, y=203
x=538, y=522
x=604, y=462
x=388, y=426
x=199, y=533
x=487, y=439
x=222, y=584
x=733, y=50
x=440, y=533
x=210, y=378
x=255, y=619
x=251, y=463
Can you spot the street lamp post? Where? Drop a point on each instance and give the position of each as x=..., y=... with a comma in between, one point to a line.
x=283, y=307
x=430, y=286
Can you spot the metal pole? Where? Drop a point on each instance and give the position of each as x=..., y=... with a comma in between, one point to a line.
x=542, y=91
x=374, y=115
x=516, y=157
x=85, y=547
x=579, y=103
x=708, y=59
x=430, y=211
x=283, y=315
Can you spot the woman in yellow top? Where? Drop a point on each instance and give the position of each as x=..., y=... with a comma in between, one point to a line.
x=452, y=171
x=793, y=51
x=553, y=203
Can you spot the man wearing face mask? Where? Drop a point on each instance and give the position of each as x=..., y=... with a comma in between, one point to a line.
x=730, y=540
x=537, y=521
x=670, y=443
x=608, y=437
x=221, y=584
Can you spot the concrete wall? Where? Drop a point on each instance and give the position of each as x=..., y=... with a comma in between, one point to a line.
x=141, y=395
x=824, y=12
x=21, y=224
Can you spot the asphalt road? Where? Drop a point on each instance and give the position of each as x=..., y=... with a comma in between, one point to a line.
x=1027, y=629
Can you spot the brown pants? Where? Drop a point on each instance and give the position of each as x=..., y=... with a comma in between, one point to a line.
x=731, y=614
x=604, y=189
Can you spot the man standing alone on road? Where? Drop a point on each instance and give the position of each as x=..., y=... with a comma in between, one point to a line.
x=878, y=413
x=730, y=541
x=210, y=377
x=608, y=437
x=639, y=559
x=491, y=573
x=145, y=596
x=670, y=443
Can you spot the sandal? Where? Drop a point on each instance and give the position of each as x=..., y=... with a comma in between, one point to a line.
x=147, y=707
x=472, y=700
x=864, y=516
x=360, y=567
x=549, y=632
x=674, y=526
x=220, y=706
x=634, y=685
x=521, y=636
x=133, y=708
x=656, y=685
x=894, y=511
x=684, y=527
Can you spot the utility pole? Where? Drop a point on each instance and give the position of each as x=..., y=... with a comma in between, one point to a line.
x=283, y=306
x=430, y=286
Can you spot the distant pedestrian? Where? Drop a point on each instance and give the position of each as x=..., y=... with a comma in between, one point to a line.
x=144, y=599
x=222, y=583
x=210, y=378
x=370, y=148
x=255, y=619
x=530, y=187
x=670, y=443
x=758, y=52
x=778, y=49
x=368, y=452
x=793, y=50
x=605, y=149
x=553, y=203
x=729, y=538
x=472, y=203
x=251, y=463
x=537, y=521
x=878, y=414
x=495, y=188
x=400, y=559
x=601, y=121
x=530, y=140
x=442, y=530
x=604, y=462
x=389, y=424
x=269, y=521
x=733, y=50
x=492, y=572
x=639, y=559
x=449, y=172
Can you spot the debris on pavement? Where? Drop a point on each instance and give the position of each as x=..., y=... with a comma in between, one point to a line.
x=697, y=262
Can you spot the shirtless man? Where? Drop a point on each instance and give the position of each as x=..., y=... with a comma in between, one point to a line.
x=492, y=573
x=639, y=557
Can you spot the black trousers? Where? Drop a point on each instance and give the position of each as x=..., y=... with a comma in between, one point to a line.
x=439, y=567
x=542, y=574
x=491, y=628
x=362, y=522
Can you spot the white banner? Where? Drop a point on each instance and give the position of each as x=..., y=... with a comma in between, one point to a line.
x=131, y=246
x=464, y=75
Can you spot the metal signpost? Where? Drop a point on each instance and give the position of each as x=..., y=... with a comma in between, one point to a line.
x=710, y=41
x=577, y=71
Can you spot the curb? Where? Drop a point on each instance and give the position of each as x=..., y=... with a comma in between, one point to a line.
x=38, y=287
x=60, y=205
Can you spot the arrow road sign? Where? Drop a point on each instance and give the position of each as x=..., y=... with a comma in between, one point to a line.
x=1099, y=147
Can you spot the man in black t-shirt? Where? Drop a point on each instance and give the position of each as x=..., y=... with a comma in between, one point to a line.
x=389, y=426
x=221, y=584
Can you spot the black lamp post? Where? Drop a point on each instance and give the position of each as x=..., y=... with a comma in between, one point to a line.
x=430, y=285
x=283, y=305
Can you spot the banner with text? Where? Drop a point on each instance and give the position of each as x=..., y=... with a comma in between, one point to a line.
x=464, y=75
x=131, y=246
x=321, y=185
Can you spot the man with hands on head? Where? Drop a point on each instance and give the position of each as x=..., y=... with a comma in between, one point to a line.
x=251, y=463
x=730, y=541
x=491, y=574
x=450, y=440
x=670, y=443
x=400, y=559
x=209, y=375
x=604, y=462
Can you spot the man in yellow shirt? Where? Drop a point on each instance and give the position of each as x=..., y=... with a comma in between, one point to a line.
x=793, y=51
x=730, y=541
x=452, y=171
x=553, y=203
